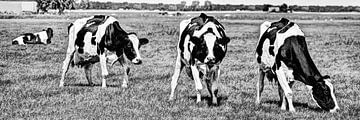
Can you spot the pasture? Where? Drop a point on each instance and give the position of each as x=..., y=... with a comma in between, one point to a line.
x=29, y=75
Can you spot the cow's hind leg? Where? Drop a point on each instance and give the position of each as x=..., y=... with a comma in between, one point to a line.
x=66, y=64
x=174, y=80
x=259, y=86
x=88, y=69
x=212, y=83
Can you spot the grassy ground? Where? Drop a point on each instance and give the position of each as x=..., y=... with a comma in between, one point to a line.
x=29, y=75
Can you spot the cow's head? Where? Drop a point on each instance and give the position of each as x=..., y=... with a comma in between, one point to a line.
x=132, y=48
x=210, y=43
x=323, y=94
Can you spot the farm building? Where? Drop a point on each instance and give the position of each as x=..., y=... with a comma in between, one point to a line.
x=16, y=6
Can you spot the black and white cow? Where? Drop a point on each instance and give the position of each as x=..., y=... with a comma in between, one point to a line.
x=282, y=55
x=101, y=39
x=43, y=37
x=201, y=48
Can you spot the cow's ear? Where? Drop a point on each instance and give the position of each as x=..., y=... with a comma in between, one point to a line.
x=143, y=41
x=224, y=40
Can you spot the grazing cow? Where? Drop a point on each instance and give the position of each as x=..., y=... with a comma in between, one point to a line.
x=100, y=39
x=202, y=46
x=43, y=37
x=282, y=55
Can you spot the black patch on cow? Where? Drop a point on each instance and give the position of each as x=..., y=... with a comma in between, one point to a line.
x=114, y=39
x=322, y=95
x=280, y=24
x=30, y=38
x=287, y=27
x=294, y=54
x=93, y=38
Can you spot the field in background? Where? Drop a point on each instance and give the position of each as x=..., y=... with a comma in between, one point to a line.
x=29, y=75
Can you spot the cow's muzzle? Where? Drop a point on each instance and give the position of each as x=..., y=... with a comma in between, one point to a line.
x=210, y=60
x=136, y=61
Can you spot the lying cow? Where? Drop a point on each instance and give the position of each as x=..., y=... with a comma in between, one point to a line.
x=100, y=39
x=282, y=55
x=43, y=37
x=202, y=46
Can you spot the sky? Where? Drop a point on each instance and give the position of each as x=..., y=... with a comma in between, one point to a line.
x=252, y=2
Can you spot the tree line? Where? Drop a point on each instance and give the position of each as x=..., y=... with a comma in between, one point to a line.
x=44, y=5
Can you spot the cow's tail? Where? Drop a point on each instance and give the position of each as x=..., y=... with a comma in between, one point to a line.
x=71, y=44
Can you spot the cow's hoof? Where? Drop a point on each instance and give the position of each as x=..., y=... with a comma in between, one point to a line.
x=124, y=85
x=61, y=85
x=103, y=86
x=283, y=108
x=257, y=102
x=171, y=99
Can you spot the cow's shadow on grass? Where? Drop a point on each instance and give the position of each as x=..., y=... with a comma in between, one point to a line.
x=5, y=82
x=88, y=85
x=296, y=104
x=208, y=99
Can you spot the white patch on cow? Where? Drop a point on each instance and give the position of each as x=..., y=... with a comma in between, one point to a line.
x=198, y=33
x=280, y=37
x=266, y=58
x=188, y=46
x=263, y=27
x=43, y=36
x=332, y=95
x=222, y=47
x=88, y=47
x=135, y=42
x=210, y=42
x=20, y=40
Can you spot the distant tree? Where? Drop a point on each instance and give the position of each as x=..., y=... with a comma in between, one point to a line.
x=61, y=5
x=283, y=8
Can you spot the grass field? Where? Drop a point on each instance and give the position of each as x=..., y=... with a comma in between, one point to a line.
x=29, y=75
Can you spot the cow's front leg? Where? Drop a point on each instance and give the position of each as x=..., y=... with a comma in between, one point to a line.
x=88, y=69
x=104, y=71
x=259, y=86
x=286, y=88
x=66, y=64
x=198, y=85
x=174, y=79
x=212, y=83
x=126, y=68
